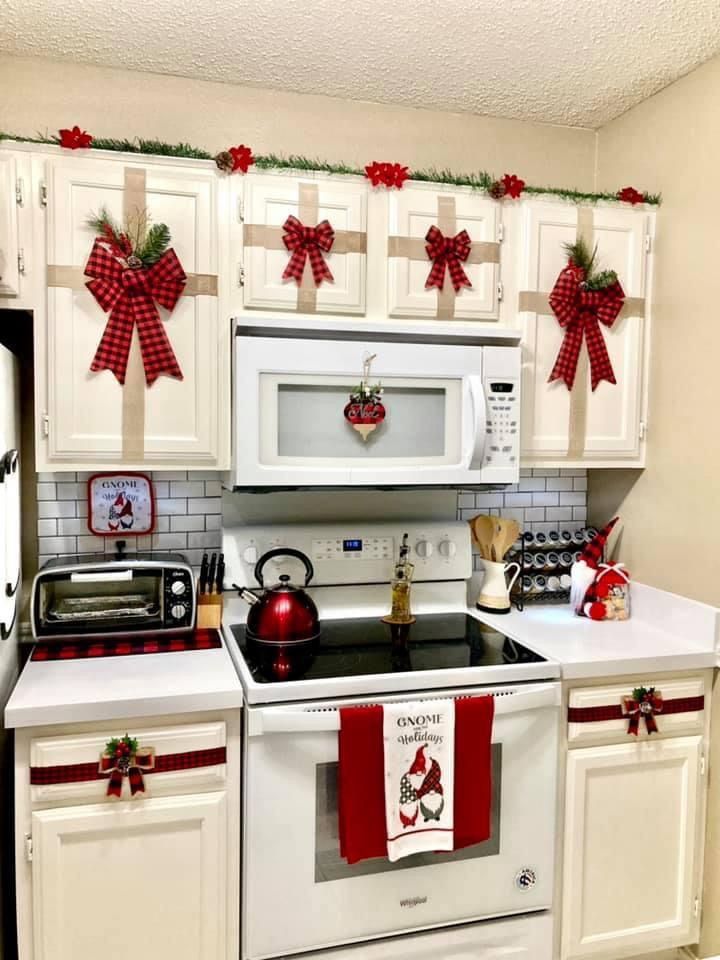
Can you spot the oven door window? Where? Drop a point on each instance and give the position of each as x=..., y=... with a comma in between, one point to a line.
x=302, y=421
x=329, y=865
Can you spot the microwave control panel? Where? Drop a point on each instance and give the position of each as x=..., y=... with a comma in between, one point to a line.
x=502, y=424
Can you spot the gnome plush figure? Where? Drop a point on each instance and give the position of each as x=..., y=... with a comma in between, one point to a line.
x=126, y=515
x=430, y=793
x=115, y=512
x=409, y=785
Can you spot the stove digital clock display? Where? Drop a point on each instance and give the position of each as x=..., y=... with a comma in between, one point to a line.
x=352, y=546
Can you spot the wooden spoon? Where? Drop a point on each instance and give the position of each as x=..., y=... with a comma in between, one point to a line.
x=505, y=537
x=483, y=531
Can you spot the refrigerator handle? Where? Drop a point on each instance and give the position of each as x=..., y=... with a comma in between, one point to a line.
x=476, y=434
x=8, y=464
x=6, y=630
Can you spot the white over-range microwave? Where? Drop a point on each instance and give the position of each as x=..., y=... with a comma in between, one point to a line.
x=437, y=408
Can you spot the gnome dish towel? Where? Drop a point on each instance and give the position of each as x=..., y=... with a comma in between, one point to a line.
x=419, y=752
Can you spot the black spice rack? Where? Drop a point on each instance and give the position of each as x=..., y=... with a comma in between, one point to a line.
x=545, y=558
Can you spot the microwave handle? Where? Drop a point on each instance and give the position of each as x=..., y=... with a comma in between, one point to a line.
x=273, y=720
x=476, y=435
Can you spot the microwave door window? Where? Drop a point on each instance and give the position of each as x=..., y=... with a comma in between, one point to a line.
x=330, y=866
x=303, y=423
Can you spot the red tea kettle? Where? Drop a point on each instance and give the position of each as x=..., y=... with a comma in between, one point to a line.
x=283, y=614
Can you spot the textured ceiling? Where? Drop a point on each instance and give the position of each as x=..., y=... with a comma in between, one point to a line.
x=577, y=62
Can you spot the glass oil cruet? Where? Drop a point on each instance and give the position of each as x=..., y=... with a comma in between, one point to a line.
x=401, y=583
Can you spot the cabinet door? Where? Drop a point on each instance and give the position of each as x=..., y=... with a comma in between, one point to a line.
x=185, y=421
x=412, y=211
x=613, y=411
x=632, y=832
x=269, y=201
x=142, y=878
x=9, y=265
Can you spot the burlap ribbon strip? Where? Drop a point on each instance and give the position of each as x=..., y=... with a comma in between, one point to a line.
x=413, y=248
x=530, y=301
x=73, y=278
x=271, y=238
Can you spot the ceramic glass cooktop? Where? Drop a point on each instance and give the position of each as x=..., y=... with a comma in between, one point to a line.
x=369, y=646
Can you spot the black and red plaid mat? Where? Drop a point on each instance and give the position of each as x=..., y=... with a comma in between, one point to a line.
x=126, y=646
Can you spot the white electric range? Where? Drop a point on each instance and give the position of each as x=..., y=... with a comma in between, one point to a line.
x=292, y=869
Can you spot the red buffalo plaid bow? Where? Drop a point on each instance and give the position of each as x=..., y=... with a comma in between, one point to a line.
x=447, y=251
x=128, y=293
x=304, y=242
x=132, y=767
x=643, y=703
x=580, y=311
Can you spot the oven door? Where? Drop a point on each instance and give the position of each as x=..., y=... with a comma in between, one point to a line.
x=290, y=428
x=301, y=895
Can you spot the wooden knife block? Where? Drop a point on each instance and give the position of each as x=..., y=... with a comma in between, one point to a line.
x=209, y=611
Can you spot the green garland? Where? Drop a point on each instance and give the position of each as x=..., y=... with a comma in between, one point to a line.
x=477, y=181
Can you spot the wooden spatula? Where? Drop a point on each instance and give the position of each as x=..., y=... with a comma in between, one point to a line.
x=506, y=534
x=483, y=530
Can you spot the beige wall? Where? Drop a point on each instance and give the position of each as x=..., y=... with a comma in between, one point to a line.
x=43, y=95
x=671, y=144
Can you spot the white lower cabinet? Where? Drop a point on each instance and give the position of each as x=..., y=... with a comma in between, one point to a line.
x=633, y=822
x=147, y=878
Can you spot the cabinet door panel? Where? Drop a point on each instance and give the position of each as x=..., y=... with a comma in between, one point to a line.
x=412, y=211
x=146, y=878
x=269, y=201
x=613, y=410
x=9, y=273
x=183, y=422
x=631, y=832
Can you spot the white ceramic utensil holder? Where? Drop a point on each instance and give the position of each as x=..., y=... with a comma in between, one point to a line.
x=495, y=592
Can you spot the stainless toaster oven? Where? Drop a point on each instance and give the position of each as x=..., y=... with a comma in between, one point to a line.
x=94, y=596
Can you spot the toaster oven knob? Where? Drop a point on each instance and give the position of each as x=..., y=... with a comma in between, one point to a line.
x=177, y=588
x=178, y=611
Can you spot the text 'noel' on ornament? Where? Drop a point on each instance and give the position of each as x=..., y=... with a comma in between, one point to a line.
x=365, y=410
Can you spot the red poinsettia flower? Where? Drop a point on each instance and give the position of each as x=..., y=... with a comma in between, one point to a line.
x=72, y=139
x=631, y=195
x=512, y=185
x=242, y=158
x=386, y=174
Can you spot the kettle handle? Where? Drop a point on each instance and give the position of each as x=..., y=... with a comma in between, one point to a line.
x=283, y=552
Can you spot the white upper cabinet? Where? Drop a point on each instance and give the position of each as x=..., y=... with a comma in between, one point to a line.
x=16, y=255
x=604, y=427
x=268, y=202
x=412, y=211
x=88, y=419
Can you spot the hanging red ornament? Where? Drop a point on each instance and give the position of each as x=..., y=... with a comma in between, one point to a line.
x=512, y=185
x=630, y=195
x=75, y=138
x=386, y=174
x=307, y=242
x=243, y=158
x=365, y=410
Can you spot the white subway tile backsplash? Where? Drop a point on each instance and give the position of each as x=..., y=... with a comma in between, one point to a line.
x=71, y=491
x=559, y=483
x=91, y=544
x=580, y=483
x=534, y=513
x=518, y=500
x=531, y=484
x=185, y=523
x=466, y=500
x=559, y=514
x=545, y=499
x=46, y=491
x=162, y=489
x=47, y=528
x=573, y=499
x=170, y=475
x=213, y=488
x=164, y=507
x=169, y=541
x=205, y=505
x=185, y=488
x=213, y=521
x=72, y=526
x=57, y=545
x=580, y=514
x=485, y=500
x=546, y=472
x=55, y=508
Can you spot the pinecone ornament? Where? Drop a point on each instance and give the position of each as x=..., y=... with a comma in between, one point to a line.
x=224, y=161
x=497, y=190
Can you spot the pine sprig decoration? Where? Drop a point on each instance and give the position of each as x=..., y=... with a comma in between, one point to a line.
x=643, y=693
x=121, y=746
x=157, y=240
x=581, y=255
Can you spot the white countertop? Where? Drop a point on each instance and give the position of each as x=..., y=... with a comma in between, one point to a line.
x=665, y=632
x=107, y=688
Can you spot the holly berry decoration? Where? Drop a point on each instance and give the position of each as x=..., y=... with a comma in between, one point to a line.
x=382, y=174
x=75, y=138
x=510, y=185
x=365, y=410
x=235, y=158
x=631, y=195
x=121, y=748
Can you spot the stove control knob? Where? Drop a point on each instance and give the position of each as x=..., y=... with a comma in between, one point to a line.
x=178, y=611
x=177, y=588
x=423, y=548
x=250, y=555
x=447, y=548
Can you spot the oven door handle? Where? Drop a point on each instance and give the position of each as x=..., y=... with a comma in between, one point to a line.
x=326, y=720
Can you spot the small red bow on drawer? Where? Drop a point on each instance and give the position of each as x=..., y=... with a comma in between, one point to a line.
x=130, y=765
x=128, y=290
x=304, y=242
x=580, y=312
x=644, y=702
x=447, y=252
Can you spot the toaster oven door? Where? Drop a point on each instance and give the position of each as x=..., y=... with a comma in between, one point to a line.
x=97, y=602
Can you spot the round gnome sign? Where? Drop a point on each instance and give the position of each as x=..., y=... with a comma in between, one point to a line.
x=120, y=503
